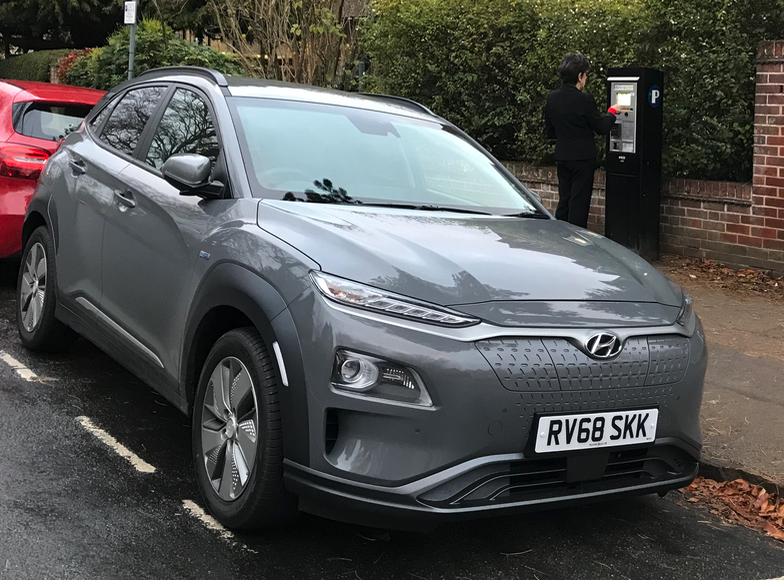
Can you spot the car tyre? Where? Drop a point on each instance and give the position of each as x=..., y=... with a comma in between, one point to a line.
x=237, y=435
x=36, y=292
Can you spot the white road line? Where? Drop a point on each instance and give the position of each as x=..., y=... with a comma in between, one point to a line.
x=121, y=450
x=20, y=369
x=212, y=524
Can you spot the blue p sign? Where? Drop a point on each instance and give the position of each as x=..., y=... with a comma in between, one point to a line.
x=654, y=96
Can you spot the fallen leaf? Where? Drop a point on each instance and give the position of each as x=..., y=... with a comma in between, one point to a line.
x=774, y=532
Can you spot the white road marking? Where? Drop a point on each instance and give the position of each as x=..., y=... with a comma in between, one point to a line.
x=212, y=524
x=20, y=369
x=121, y=450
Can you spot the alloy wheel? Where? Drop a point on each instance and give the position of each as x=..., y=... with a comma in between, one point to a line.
x=229, y=428
x=32, y=291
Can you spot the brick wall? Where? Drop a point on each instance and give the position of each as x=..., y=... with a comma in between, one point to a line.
x=739, y=224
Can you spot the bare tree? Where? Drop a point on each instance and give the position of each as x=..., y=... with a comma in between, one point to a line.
x=306, y=41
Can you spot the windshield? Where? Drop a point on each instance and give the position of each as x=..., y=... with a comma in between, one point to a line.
x=330, y=154
x=48, y=121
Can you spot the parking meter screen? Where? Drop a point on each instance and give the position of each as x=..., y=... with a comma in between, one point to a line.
x=625, y=99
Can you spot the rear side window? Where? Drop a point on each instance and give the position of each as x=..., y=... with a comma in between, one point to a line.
x=186, y=127
x=48, y=121
x=125, y=125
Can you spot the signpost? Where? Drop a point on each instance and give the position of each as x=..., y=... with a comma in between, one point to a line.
x=130, y=18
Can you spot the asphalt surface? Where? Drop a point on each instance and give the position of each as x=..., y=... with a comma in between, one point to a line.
x=70, y=507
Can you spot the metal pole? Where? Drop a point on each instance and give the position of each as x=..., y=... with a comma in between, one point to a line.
x=132, y=51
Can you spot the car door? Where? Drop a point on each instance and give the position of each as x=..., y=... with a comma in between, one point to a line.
x=96, y=158
x=152, y=235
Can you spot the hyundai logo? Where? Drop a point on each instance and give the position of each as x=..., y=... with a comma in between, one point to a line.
x=604, y=345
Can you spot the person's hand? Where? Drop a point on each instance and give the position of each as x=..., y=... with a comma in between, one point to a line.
x=617, y=107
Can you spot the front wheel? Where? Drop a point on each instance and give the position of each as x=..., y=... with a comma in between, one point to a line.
x=237, y=435
x=37, y=297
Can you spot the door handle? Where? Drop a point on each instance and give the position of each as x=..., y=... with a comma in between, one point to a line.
x=125, y=198
x=78, y=167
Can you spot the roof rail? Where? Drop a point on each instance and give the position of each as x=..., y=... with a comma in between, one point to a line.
x=401, y=100
x=208, y=73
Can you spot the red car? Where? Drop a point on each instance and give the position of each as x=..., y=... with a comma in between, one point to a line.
x=34, y=118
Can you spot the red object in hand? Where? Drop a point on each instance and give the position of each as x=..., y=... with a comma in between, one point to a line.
x=33, y=120
x=612, y=110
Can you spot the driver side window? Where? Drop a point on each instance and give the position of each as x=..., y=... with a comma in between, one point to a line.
x=186, y=127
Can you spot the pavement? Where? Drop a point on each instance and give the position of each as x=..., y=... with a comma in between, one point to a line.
x=75, y=504
x=743, y=405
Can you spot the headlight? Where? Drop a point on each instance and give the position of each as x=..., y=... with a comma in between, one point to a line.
x=361, y=296
x=373, y=377
x=686, y=303
x=686, y=310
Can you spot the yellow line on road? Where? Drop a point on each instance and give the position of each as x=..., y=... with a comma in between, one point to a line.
x=121, y=450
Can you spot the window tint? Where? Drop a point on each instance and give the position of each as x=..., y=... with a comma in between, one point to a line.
x=126, y=123
x=186, y=127
x=50, y=121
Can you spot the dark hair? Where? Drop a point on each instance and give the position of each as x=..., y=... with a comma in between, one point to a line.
x=572, y=66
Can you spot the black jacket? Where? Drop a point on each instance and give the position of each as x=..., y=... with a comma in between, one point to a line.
x=571, y=118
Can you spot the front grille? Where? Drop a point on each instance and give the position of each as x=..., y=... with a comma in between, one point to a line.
x=537, y=365
x=539, y=479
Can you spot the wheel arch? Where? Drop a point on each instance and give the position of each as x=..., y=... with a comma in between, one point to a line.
x=229, y=297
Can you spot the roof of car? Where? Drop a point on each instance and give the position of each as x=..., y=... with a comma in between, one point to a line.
x=52, y=92
x=265, y=88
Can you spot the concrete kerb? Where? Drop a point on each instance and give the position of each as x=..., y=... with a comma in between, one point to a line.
x=724, y=471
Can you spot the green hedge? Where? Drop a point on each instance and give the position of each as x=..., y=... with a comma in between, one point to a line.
x=487, y=65
x=107, y=66
x=33, y=66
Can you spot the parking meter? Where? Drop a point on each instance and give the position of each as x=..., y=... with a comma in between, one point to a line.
x=633, y=162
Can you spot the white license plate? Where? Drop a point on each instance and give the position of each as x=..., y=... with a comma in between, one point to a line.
x=594, y=430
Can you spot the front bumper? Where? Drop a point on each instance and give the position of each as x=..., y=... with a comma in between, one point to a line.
x=492, y=486
x=378, y=463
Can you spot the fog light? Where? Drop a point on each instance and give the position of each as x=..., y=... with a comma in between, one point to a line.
x=376, y=378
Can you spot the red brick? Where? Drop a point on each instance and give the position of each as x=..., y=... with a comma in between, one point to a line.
x=766, y=89
x=776, y=78
x=766, y=170
x=771, y=222
x=761, y=129
x=776, y=140
x=714, y=226
x=773, y=99
x=766, y=150
x=766, y=191
x=692, y=223
x=773, y=202
x=739, y=209
x=773, y=244
x=762, y=78
x=765, y=210
x=690, y=203
x=754, y=220
x=773, y=67
x=768, y=110
x=759, y=180
x=769, y=233
x=731, y=238
x=777, y=161
x=774, y=181
x=749, y=241
x=696, y=213
x=738, y=229
x=732, y=218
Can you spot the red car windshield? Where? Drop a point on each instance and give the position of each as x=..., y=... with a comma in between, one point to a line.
x=49, y=121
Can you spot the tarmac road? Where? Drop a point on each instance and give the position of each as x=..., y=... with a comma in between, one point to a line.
x=72, y=508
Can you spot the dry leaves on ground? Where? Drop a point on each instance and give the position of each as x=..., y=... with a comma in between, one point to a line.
x=740, y=502
x=710, y=273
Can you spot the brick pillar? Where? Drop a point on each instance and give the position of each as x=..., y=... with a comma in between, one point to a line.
x=766, y=223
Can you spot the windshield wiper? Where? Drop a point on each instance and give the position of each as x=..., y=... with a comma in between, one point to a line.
x=426, y=207
x=535, y=214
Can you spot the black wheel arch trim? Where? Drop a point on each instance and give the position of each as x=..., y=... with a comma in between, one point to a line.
x=231, y=285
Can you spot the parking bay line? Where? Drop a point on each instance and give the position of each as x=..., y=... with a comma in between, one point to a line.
x=211, y=523
x=20, y=369
x=121, y=450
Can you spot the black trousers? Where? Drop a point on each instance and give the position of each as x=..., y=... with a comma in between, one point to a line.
x=575, y=186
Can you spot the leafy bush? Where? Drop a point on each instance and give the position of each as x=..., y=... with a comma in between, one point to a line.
x=487, y=65
x=67, y=62
x=33, y=66
x=107, y=66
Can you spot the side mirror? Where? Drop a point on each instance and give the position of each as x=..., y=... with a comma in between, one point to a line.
x=191, y=175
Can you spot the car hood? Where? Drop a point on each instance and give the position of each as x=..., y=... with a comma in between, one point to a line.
x=456, y=259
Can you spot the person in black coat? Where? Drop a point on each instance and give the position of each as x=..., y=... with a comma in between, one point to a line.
x=572, y=118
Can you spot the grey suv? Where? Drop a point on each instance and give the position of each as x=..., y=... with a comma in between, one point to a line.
x=365, y=315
